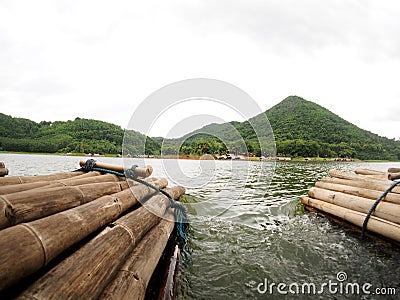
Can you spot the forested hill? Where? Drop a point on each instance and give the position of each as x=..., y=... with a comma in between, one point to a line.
x=79, y=135
x=301, y=129
x=301, y=124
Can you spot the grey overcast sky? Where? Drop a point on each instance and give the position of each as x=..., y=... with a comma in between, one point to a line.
x=100, y=59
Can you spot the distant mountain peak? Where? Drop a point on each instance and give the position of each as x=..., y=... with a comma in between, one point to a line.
x=297, y=100
x=294, y=98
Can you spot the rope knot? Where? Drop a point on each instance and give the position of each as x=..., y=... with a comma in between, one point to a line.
x=131, y=173
x=89, y=166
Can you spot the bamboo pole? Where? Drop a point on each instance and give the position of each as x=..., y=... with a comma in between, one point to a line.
x=363, y=171
x=372, y=174
x=378, y=186
x=36, y=243
x=378, y=177
x=38, y=203
x=24, y=179
x=358, y=191
x=384, y=210
x=3, y=172
x=88, y=271
x=380, y=226
x=374, y=183
x=394, y=176
x=351, y=176
x=141, y=172
x=133, y=277
x=77, y=180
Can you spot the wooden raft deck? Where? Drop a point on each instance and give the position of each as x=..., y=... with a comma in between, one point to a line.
x=77, y=235
x=346, y=198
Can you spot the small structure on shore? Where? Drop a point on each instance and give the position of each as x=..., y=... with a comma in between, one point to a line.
x=368, y=201
x=87, y=235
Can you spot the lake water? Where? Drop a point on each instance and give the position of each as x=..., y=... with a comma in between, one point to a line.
x=248, y=227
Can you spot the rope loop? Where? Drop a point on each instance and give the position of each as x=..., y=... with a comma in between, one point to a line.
x=373, y=207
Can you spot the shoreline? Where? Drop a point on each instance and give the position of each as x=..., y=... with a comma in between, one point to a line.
x=208, y=157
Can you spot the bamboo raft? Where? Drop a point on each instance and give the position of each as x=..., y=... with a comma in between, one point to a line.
x=84, y=235
x=347, y=198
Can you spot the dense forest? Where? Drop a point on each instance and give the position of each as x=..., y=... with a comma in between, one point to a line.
x=77, y=136
x=300, y=128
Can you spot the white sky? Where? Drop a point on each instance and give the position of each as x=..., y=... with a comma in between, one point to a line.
x=100, y=59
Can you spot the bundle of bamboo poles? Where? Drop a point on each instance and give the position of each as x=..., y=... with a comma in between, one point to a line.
x=3, y=169
x=349, y=197
x=80, y=235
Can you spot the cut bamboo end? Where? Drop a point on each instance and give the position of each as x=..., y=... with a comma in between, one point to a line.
x=177, y=191
x=3, y=169
x=394, y=176
x=3, y=172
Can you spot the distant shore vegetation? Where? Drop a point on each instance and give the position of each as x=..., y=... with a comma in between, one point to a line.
x=301, y=129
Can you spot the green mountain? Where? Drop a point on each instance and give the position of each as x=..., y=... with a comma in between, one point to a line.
x=297, y=122
x=79, y=135
x=301, y=129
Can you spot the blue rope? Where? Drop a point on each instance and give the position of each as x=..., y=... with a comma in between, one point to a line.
x=372, y=209
x=180, y=210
